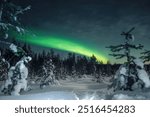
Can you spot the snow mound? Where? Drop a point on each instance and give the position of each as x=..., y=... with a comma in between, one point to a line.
x=127, y=97
x=121, y=97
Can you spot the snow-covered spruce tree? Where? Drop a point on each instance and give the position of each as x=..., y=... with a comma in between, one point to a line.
x=17, y=77
x=9, y=24
x=143, y=78
x=128, y=74
x=20, y=75
x=48, y=76
x=81, y=66
x=17, y=74
x=91, y=66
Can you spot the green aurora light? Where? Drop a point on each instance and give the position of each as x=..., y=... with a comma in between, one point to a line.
x=63, y=44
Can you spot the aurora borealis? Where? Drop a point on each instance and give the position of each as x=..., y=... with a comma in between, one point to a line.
x=64, y=44
x=86, y=26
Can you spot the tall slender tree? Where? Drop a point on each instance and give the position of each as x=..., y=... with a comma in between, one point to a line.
x=126, y=47
x=10, y=25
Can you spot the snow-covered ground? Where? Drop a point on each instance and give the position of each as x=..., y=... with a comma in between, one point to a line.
x=81, y=89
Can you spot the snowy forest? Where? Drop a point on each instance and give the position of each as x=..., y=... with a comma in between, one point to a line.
x=26, y=74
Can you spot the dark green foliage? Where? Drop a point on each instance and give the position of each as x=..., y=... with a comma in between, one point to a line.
x=146, y=56
x=124, y=51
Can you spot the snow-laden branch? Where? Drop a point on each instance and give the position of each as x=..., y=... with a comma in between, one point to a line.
x=9, y=18
x=21, y=11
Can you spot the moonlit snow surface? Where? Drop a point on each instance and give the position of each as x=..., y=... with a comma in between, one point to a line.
x=82, y=89
x=43, y=96
x=127, y=97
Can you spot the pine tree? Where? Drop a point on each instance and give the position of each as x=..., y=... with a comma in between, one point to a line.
x=125, y=47
x=93, y=62
x=127, y=70
x=70, y=62
x=81, y=65
x=10, y=25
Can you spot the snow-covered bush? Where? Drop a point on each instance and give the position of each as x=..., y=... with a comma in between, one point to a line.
x=120, y=78
x=17, y=77
x=21, y=75
x=141, y=73
x=137, y=79
x=48, y=76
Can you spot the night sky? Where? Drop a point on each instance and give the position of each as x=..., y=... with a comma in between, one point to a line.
x=93, y=23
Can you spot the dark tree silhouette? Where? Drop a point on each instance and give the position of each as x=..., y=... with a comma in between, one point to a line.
x=126, y=47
